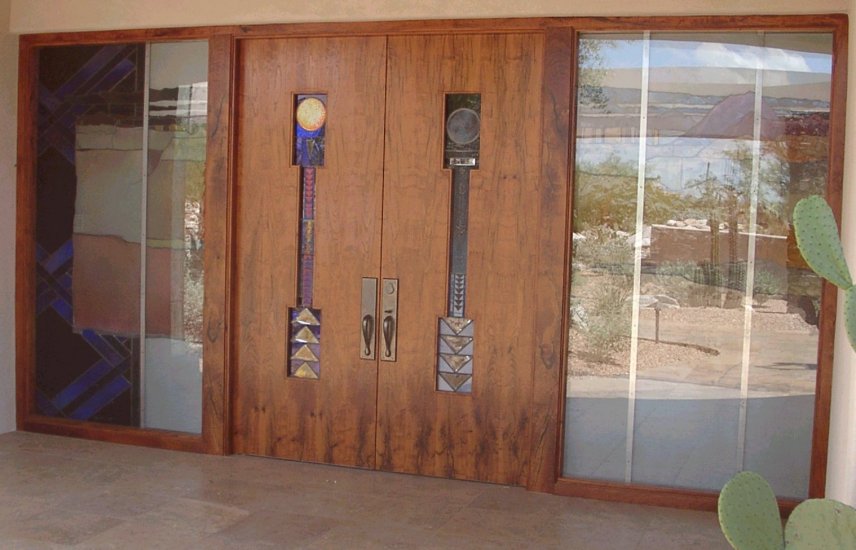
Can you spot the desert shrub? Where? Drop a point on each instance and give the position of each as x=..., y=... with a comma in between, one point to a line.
x=608, y=317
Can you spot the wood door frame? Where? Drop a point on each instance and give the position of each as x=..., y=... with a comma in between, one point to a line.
x=549, y=362
x=213, y=437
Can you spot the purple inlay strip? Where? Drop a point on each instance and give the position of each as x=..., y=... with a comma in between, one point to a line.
x=306, y=259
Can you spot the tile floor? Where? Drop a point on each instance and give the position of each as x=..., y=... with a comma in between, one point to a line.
x=68, y=493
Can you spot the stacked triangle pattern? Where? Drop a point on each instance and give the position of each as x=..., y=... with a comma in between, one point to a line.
x=304, y=343
x=455, y=355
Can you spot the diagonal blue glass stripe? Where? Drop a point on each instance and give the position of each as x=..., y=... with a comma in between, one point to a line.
x=41, y=253
x=77, y=84
x=59, y=132
x=44, y=300
x=60, y=257
x=107, y=82
x=44, y=405
x=64, y=309
x=48, y=100
x=59, y=141
x=103, y=348
x=101, y=399
x=85, y=382
x=65, y=282
x=89, y=69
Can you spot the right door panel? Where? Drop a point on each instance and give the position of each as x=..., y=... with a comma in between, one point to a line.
x=482, y=434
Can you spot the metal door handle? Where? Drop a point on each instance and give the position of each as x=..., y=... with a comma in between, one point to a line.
x=368, y=333
x=389, y=311
x=368, y=310
x=388, y=333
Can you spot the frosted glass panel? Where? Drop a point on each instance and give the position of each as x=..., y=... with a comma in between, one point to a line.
x=177, y=125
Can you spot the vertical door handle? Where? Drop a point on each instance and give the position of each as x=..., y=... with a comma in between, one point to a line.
x=389, y=310
x=368, y=334
x=368, y=310
x=388, y=333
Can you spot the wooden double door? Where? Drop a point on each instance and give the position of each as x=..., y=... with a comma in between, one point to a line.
x=383, y=205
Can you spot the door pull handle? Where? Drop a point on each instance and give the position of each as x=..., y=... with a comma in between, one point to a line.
x=388, y=333
x=368, y=333
x=389, y=326
x=368, y=310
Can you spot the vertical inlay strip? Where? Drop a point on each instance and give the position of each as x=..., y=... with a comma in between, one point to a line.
x=310, y=116
x=455, y=332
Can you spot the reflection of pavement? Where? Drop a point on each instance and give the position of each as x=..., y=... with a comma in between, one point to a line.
x=782, y=359
x=685, y=435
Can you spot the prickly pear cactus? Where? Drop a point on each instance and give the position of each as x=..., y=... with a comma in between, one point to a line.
x=748, y=514
x=823, y=524
x=818, y=241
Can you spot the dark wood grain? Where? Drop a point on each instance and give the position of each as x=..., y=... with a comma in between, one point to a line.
x=215, y=381
x=330, y=420
x=126, y=36
x=484, y=435
x=650, y=495
x=25, y=237
x=456, y=26
x=175, y=441
x=553, y=259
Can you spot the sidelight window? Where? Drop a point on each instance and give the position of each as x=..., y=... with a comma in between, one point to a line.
x=120, y=233
x=694, y=321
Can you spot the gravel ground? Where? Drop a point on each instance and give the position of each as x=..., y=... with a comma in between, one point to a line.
x=669, y=354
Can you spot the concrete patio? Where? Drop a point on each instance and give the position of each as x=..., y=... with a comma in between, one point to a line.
x=67, y=493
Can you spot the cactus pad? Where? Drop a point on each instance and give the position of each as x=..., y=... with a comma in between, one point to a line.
x=748, y=514
x=818, y=241
x=821, y=523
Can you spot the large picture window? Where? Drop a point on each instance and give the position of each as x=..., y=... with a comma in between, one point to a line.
x=119, y=233
x=694, y=321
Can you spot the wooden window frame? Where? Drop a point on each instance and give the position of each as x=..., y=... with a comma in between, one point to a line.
x=549, y=363
x=213, y=436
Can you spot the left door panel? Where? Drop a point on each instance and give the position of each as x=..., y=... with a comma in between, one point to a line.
x=330, y=419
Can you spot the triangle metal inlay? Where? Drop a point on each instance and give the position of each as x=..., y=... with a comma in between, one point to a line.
x=455, y=380
x=306, y=317
x=456, y=362
x=306, y=336
x=305, y=354
x=457, y=343
x=457, y=324
x=305, y=371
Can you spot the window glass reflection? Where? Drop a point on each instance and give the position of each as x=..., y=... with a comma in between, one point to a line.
x=172, y=371
x=693, y=319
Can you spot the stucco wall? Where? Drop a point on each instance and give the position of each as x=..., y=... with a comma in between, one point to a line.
x=51, y=15
x=8, y=94
x=841, y=475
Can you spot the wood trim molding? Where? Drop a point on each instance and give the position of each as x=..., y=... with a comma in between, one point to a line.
x=162, y=439
x=547, y=364
x=650, y=495
x=215, y=382
x=461, y=26
x=835, y=182
x=25, y=250
x=213, y=437
x=838, y=25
